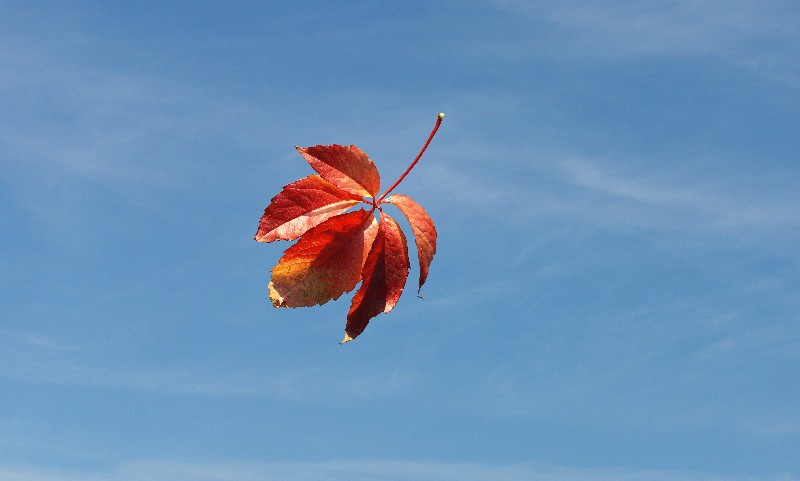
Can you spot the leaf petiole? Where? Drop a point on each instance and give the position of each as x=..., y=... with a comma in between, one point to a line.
x=427, y=142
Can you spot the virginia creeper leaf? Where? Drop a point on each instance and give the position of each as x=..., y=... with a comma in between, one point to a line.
x=348, y=168
x=325, y=263
x=424, y=232
x=335, y=250
x=302, y=205
x=384, y=276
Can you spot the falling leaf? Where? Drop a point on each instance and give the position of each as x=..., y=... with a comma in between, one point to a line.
x=336, y=249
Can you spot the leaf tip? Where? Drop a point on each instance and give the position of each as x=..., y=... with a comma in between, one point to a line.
x=441, y=115
x=347, y=338
x=275, y=297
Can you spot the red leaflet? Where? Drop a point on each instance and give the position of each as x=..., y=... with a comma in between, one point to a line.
x=336, y=250
x=348, y=168
x=325, y=263
x=424, y=232
x=384, y=276
x=300, y=206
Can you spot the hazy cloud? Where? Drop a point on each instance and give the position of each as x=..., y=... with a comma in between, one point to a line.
x=204, y=470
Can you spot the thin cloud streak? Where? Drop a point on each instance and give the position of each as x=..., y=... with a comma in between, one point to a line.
x=584, y=192
x=34, y=358
x=721, y=210
x=733, y=32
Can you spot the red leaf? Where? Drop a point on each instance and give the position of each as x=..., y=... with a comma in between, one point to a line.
x=384, y=276
x=336, y=250
x=348, y=168
x=302, y=205
x=325, y=263
x=424, y=232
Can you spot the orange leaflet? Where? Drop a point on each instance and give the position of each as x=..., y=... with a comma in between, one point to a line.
x=348, y=168
x=336, y=250
x=325, y=263
x=302, y=205
x=384, y=276
x=424, y=232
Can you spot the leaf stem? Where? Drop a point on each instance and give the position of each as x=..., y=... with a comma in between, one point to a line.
x=430, y=137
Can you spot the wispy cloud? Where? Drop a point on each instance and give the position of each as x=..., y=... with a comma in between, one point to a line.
x=732, y=31
x=678, y=202
x=584, y=191
x=204, y=470
x=36, y=358
x=648, y=365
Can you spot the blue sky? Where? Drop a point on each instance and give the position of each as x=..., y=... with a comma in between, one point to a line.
x=617, y=286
